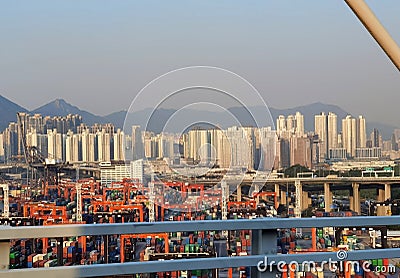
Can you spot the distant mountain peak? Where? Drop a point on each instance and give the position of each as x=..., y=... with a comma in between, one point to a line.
x=8, y=111
x=59, y=107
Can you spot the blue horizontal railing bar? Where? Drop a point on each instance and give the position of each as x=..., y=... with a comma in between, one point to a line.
x=191, y=264
x=8, y=232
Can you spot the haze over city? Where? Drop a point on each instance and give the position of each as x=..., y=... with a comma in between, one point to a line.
x=99, y=56
x=200, y=139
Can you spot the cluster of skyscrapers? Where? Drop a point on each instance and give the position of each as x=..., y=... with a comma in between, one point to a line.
x=68, y=139
x=326, y=142
x=65, y=139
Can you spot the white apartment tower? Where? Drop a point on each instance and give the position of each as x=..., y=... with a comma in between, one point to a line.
x=119, y=145
x=299, y=124
x=321, y=128
x=103, y=146
x=361, y=132
x=268, y=144
x=349, y=135
x=332, y=131
x=88, y=146
x=280, y=124
x=69, y=147
x=137, y=170
x=290, y=123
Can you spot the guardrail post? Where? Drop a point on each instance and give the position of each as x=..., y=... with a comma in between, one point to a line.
x=60, y=243
x=105, y=249
x=263, y=242
x=4, y=254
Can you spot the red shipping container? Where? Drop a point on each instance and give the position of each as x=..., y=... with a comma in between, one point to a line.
x=41, y=263
x=30, y=257
x=385, y=262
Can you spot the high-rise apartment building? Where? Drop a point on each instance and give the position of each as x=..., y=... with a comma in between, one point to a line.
x=268, y=144
x=88, y=146
x=301, y=151
x=137, y=143
x=321, y=129
x=375, y=138
x=349, y=135
x=104, y=146
x=281, y=124
x=137, y=170
x=119, y=145
x=290, y=123
x=299, y=124
x=361, y=132
x=293, y=124
x=332, y=131
x=2, y=152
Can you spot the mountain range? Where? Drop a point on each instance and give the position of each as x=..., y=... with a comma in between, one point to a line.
x=159, y=118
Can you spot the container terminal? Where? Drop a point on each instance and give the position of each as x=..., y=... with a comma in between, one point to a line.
x=87, y=201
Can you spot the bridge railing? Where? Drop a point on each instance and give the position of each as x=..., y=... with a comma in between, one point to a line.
x=263, y=245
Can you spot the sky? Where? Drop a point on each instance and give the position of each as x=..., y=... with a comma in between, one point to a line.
x=98, y=54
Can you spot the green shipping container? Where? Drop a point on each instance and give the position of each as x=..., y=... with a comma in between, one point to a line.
x=380, y=262
x=14, y=255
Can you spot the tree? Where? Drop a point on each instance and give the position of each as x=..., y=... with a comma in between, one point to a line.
x=292, y=171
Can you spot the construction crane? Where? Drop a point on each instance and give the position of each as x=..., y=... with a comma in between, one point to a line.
x=31, y=153
x=78, y=202
x=151, y=200
x=36, y=160
x=297, y=209
x=224, y=205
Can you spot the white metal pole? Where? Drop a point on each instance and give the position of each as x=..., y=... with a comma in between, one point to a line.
x=376, y=29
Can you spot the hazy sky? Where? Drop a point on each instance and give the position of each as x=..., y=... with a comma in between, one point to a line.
x=99, y=54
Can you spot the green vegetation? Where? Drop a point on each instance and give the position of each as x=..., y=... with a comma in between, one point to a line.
x=293, y=170
x=368, y=194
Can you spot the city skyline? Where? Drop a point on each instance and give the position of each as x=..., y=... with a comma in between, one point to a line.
x=99, y=58
x=60, y=107
x=69, y=139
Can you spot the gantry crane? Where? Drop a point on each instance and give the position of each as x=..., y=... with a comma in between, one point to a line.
x=35, y=159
